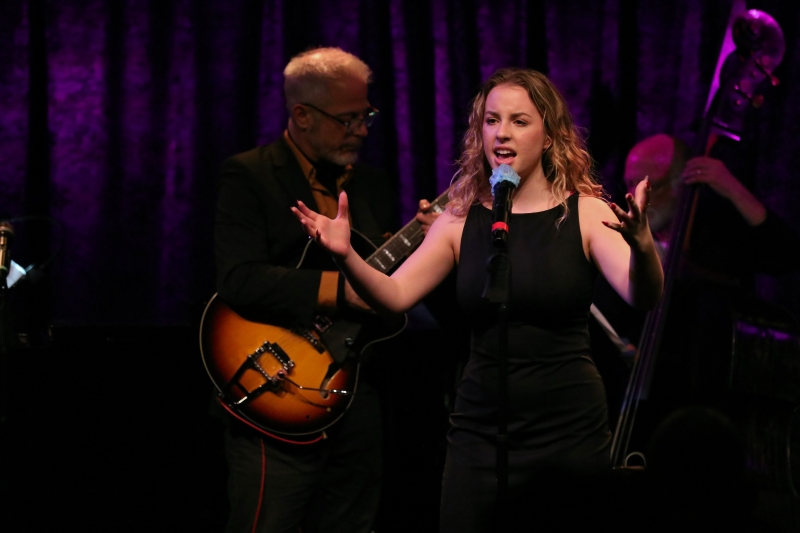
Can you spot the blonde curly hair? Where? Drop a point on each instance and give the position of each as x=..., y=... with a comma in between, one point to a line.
x=566, y=163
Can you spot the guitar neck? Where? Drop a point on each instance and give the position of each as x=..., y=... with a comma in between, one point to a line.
x=404, y=242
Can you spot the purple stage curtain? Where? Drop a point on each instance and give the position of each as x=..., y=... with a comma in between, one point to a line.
x=116, y=115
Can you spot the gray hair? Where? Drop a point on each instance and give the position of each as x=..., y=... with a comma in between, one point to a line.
x=308, y=73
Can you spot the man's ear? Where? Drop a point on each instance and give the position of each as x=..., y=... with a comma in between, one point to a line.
x=301, y=116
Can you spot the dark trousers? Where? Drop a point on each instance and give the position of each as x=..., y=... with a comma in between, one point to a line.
x=330, y=486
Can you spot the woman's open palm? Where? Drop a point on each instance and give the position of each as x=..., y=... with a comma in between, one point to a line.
x=333, y=235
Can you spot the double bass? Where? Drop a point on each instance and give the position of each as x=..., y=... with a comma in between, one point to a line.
x=752, y=375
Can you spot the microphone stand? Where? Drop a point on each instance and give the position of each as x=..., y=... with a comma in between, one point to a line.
x=498, y=290
x=504, y=180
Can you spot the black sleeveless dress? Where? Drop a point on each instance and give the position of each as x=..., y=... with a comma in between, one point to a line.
x=558, y=419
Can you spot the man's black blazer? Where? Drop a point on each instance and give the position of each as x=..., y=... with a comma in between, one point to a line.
x=259, y=242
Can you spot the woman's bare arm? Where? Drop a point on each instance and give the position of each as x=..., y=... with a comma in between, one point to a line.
x=622, y=247
x=415, y=278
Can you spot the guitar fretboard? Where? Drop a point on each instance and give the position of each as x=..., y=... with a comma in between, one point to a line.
x=404, y=242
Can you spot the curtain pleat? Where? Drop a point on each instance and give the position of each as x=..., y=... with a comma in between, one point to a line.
x=116, y=116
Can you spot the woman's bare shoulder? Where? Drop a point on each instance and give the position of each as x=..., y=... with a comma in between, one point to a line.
x=593, y=206
x=449, y=222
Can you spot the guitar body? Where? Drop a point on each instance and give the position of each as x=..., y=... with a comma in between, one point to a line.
x=229, y=345
x=298, y=381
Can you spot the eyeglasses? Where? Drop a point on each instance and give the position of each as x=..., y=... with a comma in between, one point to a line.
x=350, y=125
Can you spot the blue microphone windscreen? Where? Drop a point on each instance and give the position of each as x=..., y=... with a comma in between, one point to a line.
x=503, y=173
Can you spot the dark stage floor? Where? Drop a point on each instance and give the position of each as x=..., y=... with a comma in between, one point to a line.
x=108, y=429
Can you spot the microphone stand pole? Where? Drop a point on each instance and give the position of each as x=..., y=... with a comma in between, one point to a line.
x=498, y=290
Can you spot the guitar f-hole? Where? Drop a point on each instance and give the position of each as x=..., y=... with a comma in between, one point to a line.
x=333, y=368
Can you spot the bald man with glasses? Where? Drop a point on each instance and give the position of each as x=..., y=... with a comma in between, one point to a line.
x=332, y=483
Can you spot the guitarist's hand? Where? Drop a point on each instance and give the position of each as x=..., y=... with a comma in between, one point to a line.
x=332, y=235
x=425, y=216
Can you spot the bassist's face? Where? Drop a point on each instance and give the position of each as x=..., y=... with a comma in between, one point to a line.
x=652, y=158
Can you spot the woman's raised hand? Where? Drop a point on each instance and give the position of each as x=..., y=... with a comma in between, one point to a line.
x=333, y=235
x=633, y=224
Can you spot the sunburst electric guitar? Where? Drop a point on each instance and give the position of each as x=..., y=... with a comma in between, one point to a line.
x=296, y=382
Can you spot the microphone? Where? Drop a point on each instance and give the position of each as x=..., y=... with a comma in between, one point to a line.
x=504, y=180
x=6, y=236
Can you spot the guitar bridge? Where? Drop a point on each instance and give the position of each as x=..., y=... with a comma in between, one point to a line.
x=271, y=383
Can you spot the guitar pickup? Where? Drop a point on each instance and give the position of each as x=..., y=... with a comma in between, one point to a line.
x=277, y=352
x=310, y=336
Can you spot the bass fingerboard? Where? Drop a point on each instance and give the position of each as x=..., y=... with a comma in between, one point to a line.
x=404, y=242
